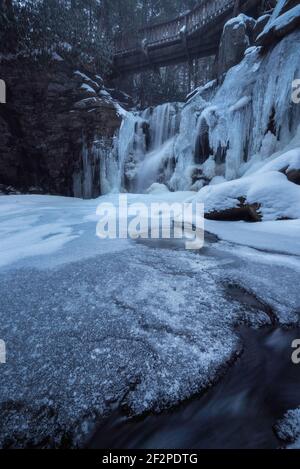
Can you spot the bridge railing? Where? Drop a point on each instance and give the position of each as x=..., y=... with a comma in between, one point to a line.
x=172, y=30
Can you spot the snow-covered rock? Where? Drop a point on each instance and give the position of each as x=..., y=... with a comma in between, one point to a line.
x=281, y=23
x=288, y=163
x=267, y=196
x=236, y=38
x=88, y=88
x=157, y=188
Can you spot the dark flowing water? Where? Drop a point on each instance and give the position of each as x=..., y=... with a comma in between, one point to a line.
x=239, y=412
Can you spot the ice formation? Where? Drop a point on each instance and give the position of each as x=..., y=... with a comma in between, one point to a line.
x=222, y=132
x=288, y=429
x=281, y=21
x=94, y=342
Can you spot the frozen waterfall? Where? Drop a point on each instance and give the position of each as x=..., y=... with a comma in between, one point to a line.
x=146, y=147
x=221, y=132
x=162, y=124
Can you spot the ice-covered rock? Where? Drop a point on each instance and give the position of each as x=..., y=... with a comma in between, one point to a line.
x=267, y=196
x=287, y=163
x=282, y=22
x=288, y=429
x=236, y=38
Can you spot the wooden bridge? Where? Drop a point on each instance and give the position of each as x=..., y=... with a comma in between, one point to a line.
x=193, y=35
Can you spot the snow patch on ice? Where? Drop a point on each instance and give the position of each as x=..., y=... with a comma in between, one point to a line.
x=288, y=429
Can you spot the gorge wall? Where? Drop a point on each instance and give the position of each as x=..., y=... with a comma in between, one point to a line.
x=54, y=129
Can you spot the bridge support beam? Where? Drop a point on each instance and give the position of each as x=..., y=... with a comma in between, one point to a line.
x=145, y=51
x=237, y=8
x=185, y=45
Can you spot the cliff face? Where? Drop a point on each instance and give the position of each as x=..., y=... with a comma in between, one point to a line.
x=49, y=126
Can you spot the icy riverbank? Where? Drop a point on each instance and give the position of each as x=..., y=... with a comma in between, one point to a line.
x=90, y=327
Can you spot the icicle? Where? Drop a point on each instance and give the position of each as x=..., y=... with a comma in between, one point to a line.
x=84, y=181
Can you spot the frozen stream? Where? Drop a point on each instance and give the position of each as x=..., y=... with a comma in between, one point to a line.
x=93, y=327
x=238, y=412
x=241, y=409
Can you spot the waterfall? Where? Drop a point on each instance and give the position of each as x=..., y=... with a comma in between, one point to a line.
x=126, y=144
x=148, y=172
x=222, y=132
x=145, y=146
x=162, y=124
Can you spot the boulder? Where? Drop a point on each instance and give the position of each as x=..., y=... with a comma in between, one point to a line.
x=236, y=38
x=293, y=176
x=244, y=211
x=262, y=196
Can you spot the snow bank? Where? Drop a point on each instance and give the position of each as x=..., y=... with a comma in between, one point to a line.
x=288, y=162
x=272, y=196
x=270, y=236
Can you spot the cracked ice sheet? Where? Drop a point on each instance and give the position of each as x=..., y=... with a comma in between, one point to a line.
x=272, y=277
x=141, y=327
x=145, y=328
